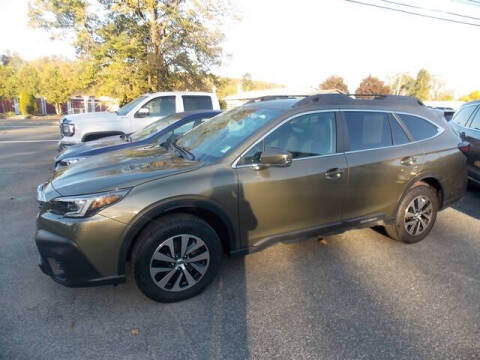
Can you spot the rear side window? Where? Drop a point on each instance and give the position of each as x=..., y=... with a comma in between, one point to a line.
x=462, y=116
x=191, y=102
x=419, y=128
x=368, y=130
x=399, y=136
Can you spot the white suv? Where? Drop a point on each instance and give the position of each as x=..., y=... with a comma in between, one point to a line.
x=133, y=116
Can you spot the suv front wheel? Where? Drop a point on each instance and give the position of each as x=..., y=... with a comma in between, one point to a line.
x=416, y=215
x=176, y=257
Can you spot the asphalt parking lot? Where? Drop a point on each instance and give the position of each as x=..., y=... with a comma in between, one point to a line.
x=358, y=295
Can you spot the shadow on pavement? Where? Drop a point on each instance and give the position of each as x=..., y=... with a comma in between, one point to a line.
x=470, y=204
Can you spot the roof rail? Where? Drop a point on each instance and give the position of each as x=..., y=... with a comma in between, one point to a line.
x=356, y=99
x=274, y=97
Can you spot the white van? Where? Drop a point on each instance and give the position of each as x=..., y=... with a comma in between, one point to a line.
x=133, y=116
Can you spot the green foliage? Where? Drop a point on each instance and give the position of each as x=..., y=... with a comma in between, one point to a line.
x=247, y=83
x=423, y=85
x=373, y=85
x=139, y=46
x=474, y=95
x=28, y=104
x=334, y=83
x=59, y=80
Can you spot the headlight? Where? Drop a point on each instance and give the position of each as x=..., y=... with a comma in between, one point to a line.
x=67, y=128
x=71, y=161
x=85, y=205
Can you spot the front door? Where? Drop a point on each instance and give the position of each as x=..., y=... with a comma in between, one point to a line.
x=307, y=194
x=157, y=108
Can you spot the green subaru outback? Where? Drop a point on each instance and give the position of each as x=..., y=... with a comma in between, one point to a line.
x=264, y=172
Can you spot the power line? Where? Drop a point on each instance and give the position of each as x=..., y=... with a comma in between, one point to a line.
x=413, y=13
x=427, y=9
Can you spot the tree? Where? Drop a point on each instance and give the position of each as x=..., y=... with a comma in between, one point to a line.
x=402, y=84
x=8, y=75
x=373, y=85
x=139, y=46
x=423, y=85
x=474, y=95
x=334, y=83
x=28, y=103
x=58, y=80
x=27, y=79
x=247, y=83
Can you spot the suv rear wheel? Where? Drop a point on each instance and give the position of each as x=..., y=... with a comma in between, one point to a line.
x=176, y=257
x=416, y=215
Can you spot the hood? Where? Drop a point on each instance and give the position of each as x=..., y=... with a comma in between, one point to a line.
x=104, y=115
x=78, y=149
x=119, y=169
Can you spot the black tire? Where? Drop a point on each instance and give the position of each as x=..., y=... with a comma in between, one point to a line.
x=160, y=231
x=398, y=231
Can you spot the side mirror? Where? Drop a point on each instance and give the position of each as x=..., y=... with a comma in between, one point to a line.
x=143, y=112
x=274, y=157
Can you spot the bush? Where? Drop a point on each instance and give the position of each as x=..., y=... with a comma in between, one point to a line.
x=28, y=104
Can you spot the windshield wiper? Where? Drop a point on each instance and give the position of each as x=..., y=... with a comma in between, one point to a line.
x=182, y=149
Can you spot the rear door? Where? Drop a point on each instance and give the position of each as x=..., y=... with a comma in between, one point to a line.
x=381, y=160
x=307, y=194
x=472, y=134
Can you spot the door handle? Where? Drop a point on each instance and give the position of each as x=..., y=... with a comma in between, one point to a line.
x=335, y=173
x=408, y=161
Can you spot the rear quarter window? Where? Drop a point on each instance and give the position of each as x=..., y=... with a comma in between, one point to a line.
x=195, y=102
x=419, y=128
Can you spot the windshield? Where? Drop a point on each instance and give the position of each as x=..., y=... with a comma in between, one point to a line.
x=220, y=135
x=154, y=127
x=125, y=109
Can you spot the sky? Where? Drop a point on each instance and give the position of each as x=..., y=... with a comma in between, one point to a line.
x=299, y=43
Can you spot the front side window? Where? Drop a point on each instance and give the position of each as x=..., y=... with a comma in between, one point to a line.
x=155, y=127
x=161, y=106
x=417, y=127
x=184, y=128
x=223, y=133
x=368, y=130
x=475, y=124
x=304, y=136
x=125, y=109
x=196, y=102
x=462, y=116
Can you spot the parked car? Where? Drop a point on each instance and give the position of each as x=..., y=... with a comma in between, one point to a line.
x=260, y=173
x=447, y=111
x=466, y=123
x=131, y=117
x=152, y=135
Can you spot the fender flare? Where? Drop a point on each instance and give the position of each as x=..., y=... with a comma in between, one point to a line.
x=418, y=178
x=163, y=207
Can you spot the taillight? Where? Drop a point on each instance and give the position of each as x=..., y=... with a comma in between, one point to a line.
x=464, y=147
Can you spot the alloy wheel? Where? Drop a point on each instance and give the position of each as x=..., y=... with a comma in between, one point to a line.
x=418, y=215
x=179, y=262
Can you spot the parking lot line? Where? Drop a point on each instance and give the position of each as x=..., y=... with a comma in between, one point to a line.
x=23, y=141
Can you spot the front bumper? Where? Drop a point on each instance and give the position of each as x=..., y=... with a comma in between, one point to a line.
x=79, y=252
x=62, y=260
